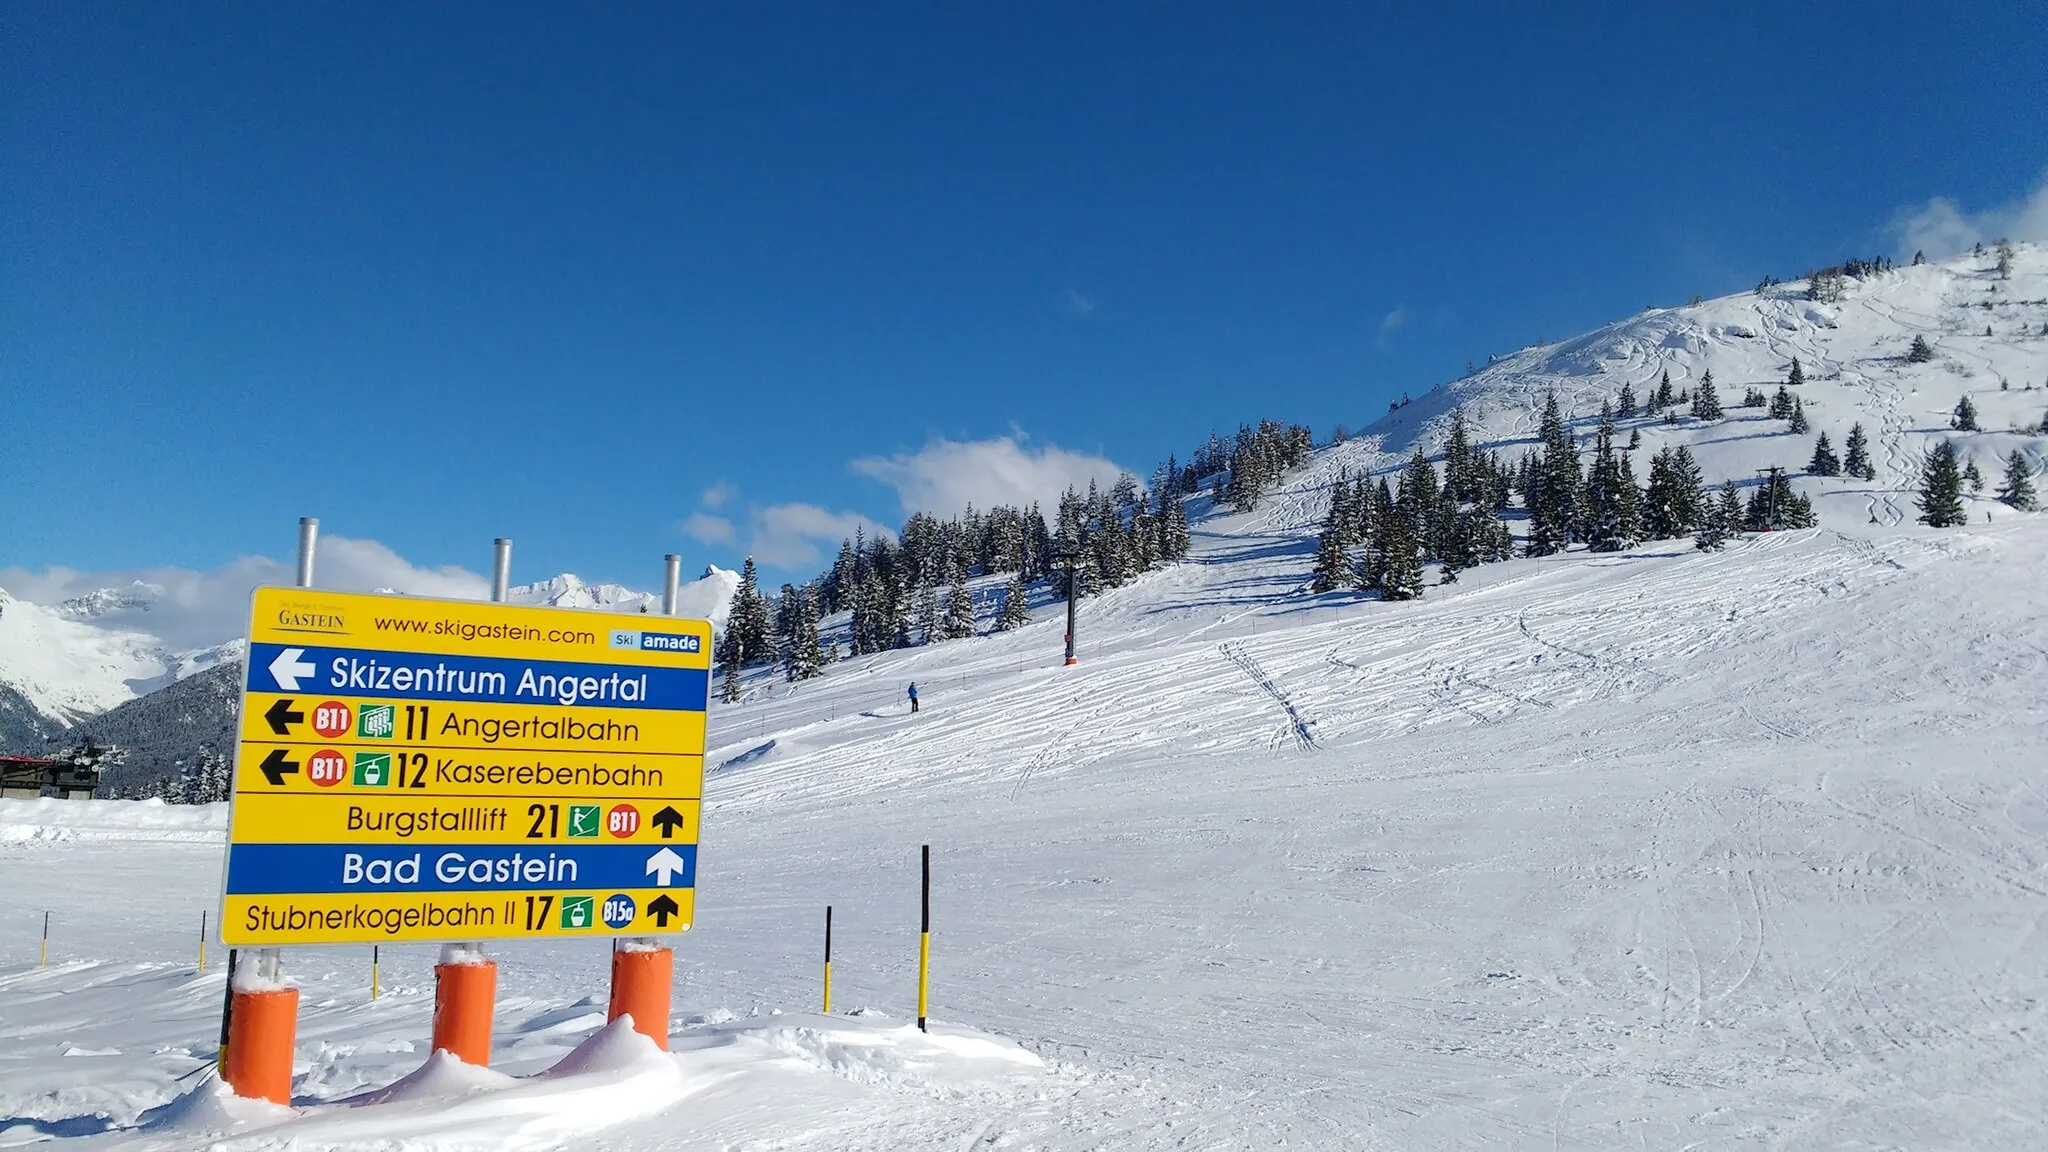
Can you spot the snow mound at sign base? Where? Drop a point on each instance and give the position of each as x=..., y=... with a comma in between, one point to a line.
x=615, y=1086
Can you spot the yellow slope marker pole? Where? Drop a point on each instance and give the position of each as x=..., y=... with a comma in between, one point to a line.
x=202, y=940
x=46, y=942
x=828, y=959
x=376, y=956
x=924, y=945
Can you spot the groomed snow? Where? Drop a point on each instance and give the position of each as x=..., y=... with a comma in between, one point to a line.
x=1655, y=849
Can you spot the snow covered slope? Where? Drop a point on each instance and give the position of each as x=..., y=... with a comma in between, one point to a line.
x=1852, y=352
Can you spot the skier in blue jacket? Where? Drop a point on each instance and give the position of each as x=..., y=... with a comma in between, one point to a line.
x=913, y=696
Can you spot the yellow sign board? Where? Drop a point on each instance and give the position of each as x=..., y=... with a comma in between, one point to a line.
x=415, y=769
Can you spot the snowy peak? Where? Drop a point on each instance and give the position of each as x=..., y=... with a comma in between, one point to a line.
x=137, y=597
x=68, y=669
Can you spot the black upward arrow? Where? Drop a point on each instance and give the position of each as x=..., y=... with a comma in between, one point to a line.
x=662, y=908
x=275, y=767
x=668, y=820
x=282, y=716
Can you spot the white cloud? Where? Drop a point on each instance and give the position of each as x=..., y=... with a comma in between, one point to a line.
x=790, y=535
x=708, y=529
x=197, y=609
x=1940, y=228
x=717, y=494
x=1391, y=323
x=1080, y=302
x=947, y=475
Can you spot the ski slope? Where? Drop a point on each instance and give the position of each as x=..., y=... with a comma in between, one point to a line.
x=1657, y=849
x=1650, y=849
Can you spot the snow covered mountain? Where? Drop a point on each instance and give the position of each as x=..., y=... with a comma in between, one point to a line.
x=62, y=664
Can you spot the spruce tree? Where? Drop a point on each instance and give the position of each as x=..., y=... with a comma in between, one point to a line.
x=1628, y=503
x=1921, y=351
x=729, y=686
x=1941, y=488
x=805, y=659
x=1799, y=426
x=1797, y=376
x=1174, y=540
x=960, y=613
x=1625, y=405
x=1824, y=462
x=1965, y=417
x=1781, y=404
x=1856, y=461
x=1401, y=579
x=1555, y=504
x=1661, y=398
x=928, y=622
x=2016, y=490
x=1016, y=604
x=1972, y=477
x=1333, y=561
x=1706, y=403
x=1718, y=521
x=1603, y=499
x=1660, y=520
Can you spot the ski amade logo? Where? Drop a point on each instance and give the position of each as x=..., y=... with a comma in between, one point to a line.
x=638, y=641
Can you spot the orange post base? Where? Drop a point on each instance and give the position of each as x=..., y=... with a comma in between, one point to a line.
x=261, y=1032
x=641, y=986
x=464, y=996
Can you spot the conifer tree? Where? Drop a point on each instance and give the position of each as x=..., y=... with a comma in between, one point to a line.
x=1781, y=404
x=2016, y=490
x=1401, y=578
x=1628, y=503
x=729, y=686
x=1016, y=604
x=1706, y=403
x=1555, y=503
x=1799, y=426
x=1719, y=519
x=1625, y=405
x=1972, y=477
x=1965, y=417
x=928, y=623
x=1662, y=399
x=1174, y=540
x=960, y=613
x=1921, y=351
x=1671, y=505
x=1603, y=498
x=1797, y=376
x=1333, y=560
x=1824, y=462
x=802, y=658
x=1856, y=461
x=1941, y=488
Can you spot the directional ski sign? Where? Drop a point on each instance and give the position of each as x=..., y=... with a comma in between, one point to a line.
x=441, y=770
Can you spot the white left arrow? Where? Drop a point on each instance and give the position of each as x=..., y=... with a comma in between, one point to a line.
x=663, y=866
x=287, y=669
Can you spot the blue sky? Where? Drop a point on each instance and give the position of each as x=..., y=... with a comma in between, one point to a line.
x=701, y=278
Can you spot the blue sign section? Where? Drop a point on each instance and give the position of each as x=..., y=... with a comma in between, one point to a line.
x=377, y=868
x=619, y=910
x=475, y=679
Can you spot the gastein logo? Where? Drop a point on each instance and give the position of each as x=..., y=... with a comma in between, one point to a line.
x=310, y=616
